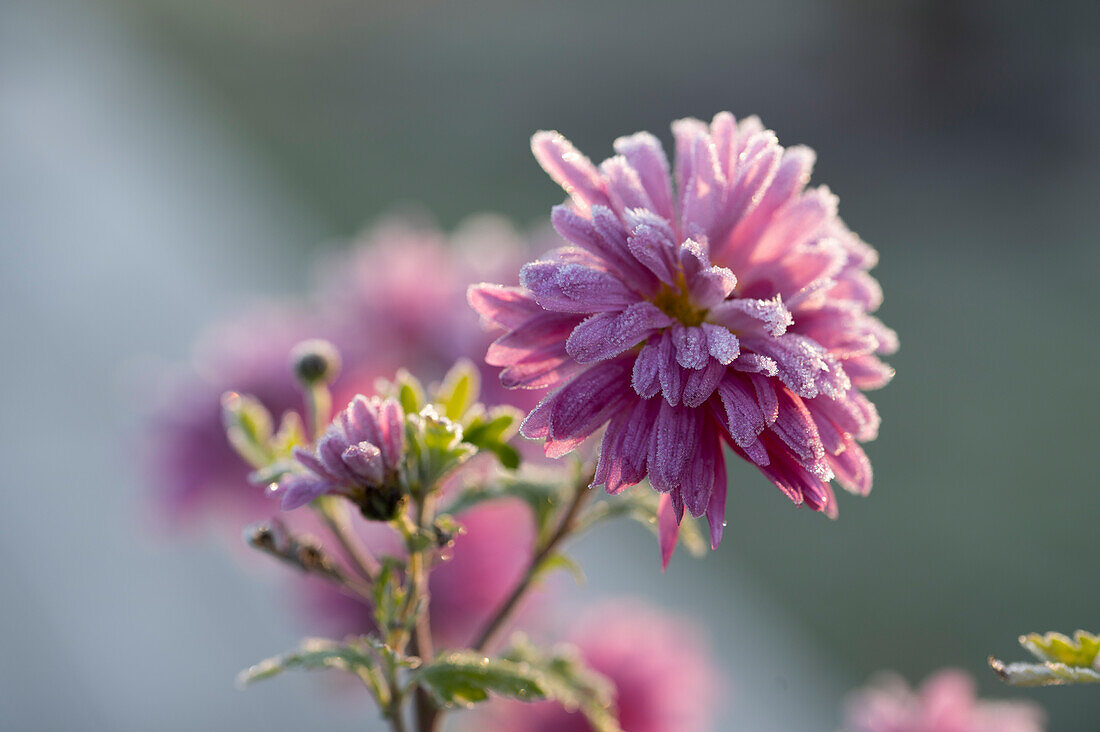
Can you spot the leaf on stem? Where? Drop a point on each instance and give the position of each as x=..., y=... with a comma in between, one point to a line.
x=1062, y=660
x=567, y=680
x=315, y=653
x=464, y=678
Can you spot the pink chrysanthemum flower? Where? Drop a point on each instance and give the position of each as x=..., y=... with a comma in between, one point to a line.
x=662, y=676
x=946, y=702
x=358, y=457
x=736, y=311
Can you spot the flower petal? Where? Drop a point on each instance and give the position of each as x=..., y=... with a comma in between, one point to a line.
x=569, y=168
x=574, y=288
x=605, y=335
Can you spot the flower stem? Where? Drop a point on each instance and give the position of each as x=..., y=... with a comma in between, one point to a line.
x=335, y=515
x=565, y=527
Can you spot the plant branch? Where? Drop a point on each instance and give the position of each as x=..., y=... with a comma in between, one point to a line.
x=334, y=513
x=274, y=539
x=581, y=491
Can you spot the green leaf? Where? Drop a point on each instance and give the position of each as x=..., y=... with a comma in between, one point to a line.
x=435, y=447
x=249, y=427
x=388, y=594
x=315, y=653
x=555, y=562
x=565, y=679
x=459, y=390
x=1061, y=661
x=491, y=431
x=464, y=678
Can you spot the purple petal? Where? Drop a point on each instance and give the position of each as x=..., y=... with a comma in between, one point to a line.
x=330, y=450
x=298, y=490
x=310, y=462
x=625, y=446
x=624, y=185
x=506, y=307
x=606, y=335
x=668, y=370
x=852, y=468
x=569, y=169
x=701, y=383
x=722, y=345
x=585, y=403
x=363, y=421
x=603, y=236
x=366, y=461
x=668, y=529
x=703, y=191
x=651, y=243
x=716, y=509
x=646, y=373
x=575, y=288
x=392, y=419
x=698, y=481
x=748, y=316
x=673, y=445
x=744, y=417
x=543, y=334
x=708, y=285
x=691, y=346
x=647, y=157
x=795, y=426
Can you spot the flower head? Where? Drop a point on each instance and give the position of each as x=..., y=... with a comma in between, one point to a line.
x=358, y=457
x=946, y=702
x=662, y=676
x=736, y=311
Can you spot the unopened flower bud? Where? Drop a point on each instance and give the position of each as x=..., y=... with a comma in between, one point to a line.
x=315, y=362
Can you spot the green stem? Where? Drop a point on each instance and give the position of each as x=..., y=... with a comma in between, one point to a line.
x=564, y=529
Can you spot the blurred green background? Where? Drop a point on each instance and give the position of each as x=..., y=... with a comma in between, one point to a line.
x=962, y=140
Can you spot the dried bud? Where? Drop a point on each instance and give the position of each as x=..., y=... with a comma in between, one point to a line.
x=315, y=362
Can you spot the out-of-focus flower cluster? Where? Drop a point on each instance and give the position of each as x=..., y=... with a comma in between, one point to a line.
x=945, y=702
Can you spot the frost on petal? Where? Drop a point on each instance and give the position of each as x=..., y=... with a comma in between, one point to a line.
x=803, y=365
x=624, y=185
x=644, y=153
x=754, y=363
x=707, y=284
x=585, y=403
x=298, y=490
x=505, y=307
x=744, y=416
x=652, y=244
x=366, y=461
x=698, y=480
x=691, y=346
x=625, y=447
x=603, y=236
x=540, y=338
x=701, y=383
x=753, y=317
x=668, y=529
x=569, y=168
x=722, y=345
x=574, y=288
x=646, y=373
x=606, y=335
x=672, y=445
x=852, y=468
x=795, y=426
x=703, y=191
x=330, y=450
x=668, y=370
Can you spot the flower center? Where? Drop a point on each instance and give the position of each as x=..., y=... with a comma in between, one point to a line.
x=675, y=302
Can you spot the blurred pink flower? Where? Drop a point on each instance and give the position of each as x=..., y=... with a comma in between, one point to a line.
x=396, y=299
x=663, y=677
x=946, y=702
x=735, y=309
